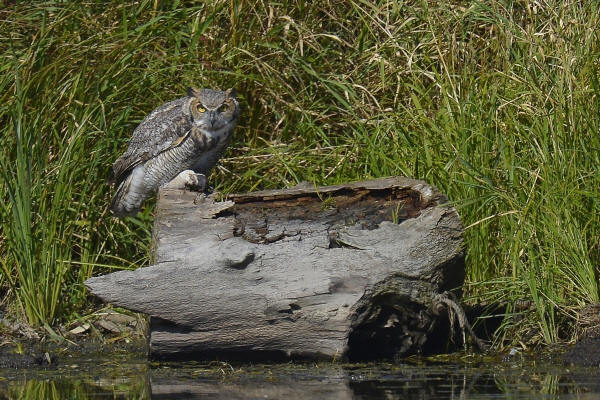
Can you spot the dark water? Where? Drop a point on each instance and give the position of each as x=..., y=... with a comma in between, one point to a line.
x=127, y=376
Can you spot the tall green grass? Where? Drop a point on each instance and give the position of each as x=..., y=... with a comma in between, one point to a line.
x=495, y=102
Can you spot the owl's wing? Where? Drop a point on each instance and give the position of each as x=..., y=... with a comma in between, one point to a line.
x=163, y=128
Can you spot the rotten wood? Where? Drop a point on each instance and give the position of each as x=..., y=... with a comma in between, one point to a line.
x=346, y=271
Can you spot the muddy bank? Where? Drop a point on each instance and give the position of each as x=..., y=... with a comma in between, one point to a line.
x=10, y=358
x=109, y=332
x=103, y=333
x=50, y=353
x=584, y=353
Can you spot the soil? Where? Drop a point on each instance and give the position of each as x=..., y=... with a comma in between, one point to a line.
x=106, y=331
x=10, y=359
x=50, y=353
x=585, y=353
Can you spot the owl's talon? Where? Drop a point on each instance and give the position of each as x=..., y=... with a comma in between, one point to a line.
x=197, y=184
x=188, y=180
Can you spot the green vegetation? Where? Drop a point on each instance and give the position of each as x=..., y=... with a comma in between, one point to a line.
x=494, y=102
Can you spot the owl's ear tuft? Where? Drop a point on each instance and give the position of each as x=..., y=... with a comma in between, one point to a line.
x=230, y=92
x=193, y=92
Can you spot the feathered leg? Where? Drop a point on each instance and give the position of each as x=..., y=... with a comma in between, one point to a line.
x=130, y=194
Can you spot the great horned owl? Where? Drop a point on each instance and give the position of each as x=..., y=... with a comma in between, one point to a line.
x=189, y=133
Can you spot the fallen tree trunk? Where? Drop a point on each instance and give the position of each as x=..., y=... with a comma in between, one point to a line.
x=346, y=271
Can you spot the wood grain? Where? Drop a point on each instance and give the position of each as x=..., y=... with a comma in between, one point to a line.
x=345, y=271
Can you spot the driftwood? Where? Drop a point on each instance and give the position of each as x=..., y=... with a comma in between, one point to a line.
x=347, y=271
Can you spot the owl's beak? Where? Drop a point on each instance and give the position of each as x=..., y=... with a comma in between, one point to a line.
x=212, y=118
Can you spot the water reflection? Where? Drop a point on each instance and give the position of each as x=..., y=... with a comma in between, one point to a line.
x=65, y=388
x=127, y=379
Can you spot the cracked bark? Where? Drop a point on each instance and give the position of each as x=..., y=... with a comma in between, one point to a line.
x=346, y=271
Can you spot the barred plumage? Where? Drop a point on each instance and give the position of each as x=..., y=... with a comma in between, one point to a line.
x=189, y=133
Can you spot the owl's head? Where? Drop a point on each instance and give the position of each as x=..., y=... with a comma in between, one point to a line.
x=213, y=109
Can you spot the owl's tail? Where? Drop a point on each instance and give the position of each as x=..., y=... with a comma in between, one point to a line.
x=130, y=194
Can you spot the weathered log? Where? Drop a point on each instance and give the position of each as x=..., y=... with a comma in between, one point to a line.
x=345, y=271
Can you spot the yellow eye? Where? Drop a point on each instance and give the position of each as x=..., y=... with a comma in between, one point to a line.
x=200, y=109
x=223, y=108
